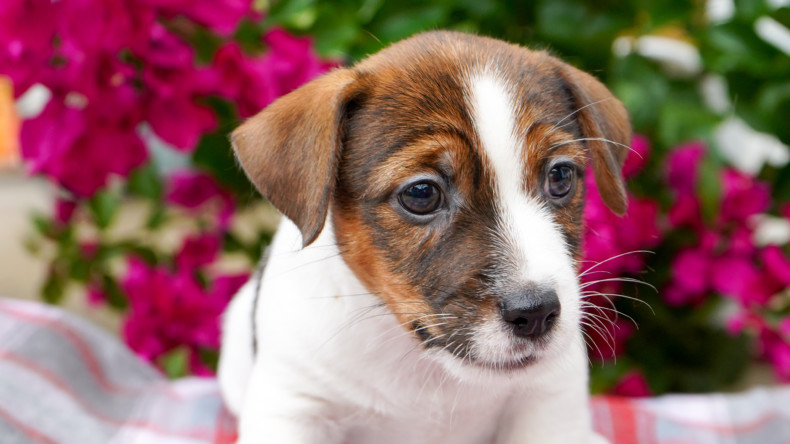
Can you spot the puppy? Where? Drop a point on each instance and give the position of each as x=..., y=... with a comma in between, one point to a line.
x=423, y=288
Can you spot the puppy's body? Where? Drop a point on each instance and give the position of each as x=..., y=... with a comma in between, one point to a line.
x=336, y=366
x=436, y=189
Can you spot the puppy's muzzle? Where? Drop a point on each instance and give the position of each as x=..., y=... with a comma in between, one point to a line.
x=532, y=312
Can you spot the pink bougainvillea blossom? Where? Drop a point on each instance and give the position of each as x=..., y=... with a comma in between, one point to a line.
x=171, y=310
x=690, y=277
x=638, y=157
x=221, y=16
x=744, y=196
x=682, y=167
x=62, y=144
x=633, y=384
x=612, y=244
x=193, y=190
x=64, y=210
x=25, y=48
x=254, y=82
x=777, y=351
x=777, y=264
x=198, y=251
x=607, y=337
x=686, y=211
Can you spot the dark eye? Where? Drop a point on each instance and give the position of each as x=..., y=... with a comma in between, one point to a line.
x=421, y=198
x=559, y=181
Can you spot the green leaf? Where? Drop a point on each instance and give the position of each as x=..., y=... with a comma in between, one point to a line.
x=43, y=225
x=604, y=376
x=294, y=14
x=115, y=295
x=103, y=207
x=175, y=363
x=79, y=269
x=145, y=182
x=684, y=118
x=158, y=216
x=709, y=187
x=53, y=289
x=209, y=357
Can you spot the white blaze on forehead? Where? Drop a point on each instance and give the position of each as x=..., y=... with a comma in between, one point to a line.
x=494, y=119
x=537, y=243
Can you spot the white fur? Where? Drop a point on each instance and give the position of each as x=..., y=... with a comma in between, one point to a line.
x=533, y=238
x=335, y=367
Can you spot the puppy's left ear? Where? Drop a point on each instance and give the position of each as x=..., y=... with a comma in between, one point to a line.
x=291, y=149
x=605, y=126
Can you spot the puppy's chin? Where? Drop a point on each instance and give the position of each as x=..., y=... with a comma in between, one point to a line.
x=496, y=354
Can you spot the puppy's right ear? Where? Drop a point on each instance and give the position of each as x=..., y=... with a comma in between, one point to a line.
x=291, y=149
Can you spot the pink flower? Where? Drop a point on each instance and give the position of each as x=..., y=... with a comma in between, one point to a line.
x=637, y=157
x=784, y=328
x=608, y=236
x=745, y=320
x=198, y=251
x=173, y=110
x=777, y=264
x=777, y=351
x=743, y=196
x=292, y=60
x=194, y=190
x=253, y=83
x=632, y=384
x=64, y=210
x=780, y=358
x=24, y=49
x=109, y=25
x=167, y=310
x=221, y=16
x=690, y=277
x=686, y=212
x=609, y=336
x=180, y=121
x=682, y=165
x=58, y=144
x=95, y=295
x=739, y=277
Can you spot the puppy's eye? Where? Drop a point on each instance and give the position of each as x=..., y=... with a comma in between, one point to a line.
x=421, y=198
x=559, y=181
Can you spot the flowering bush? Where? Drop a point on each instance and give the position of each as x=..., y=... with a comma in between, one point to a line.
x=683, y=293
x=131, y=83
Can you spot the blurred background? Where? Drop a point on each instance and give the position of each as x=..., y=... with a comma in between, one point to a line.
x=120, y=198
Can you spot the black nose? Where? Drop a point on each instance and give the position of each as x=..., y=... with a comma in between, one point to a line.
x=532, y=312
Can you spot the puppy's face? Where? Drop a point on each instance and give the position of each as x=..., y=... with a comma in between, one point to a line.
x=453, y=166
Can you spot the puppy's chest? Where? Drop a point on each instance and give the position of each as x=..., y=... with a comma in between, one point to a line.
x=474, y=426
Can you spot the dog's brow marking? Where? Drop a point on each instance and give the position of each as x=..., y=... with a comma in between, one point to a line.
x=527, y=226
x=494, y=120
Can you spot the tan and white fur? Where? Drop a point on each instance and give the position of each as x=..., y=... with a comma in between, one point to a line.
x=378, y=321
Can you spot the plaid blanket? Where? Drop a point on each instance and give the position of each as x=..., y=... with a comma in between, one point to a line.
x=63, y=380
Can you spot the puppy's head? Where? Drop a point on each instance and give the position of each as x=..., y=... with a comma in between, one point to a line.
x=453, y=166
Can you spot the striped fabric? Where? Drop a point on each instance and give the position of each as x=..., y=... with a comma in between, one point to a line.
x=63, y=380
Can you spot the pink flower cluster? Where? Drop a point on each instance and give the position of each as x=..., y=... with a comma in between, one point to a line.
x=199, y=193
x=112, y=65
x=613, y=247
x=722, y=260
x=725, y=259
x=169, y=309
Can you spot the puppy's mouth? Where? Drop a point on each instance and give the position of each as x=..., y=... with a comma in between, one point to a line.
x=505, y=366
